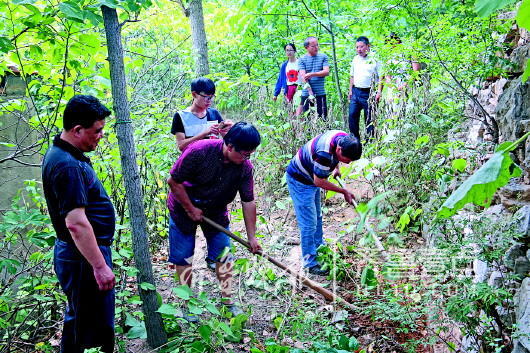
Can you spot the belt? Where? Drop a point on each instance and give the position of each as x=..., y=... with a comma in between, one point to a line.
x=367, y=89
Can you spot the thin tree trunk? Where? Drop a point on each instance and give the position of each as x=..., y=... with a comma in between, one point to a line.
x=156, y=335
x=198, y=36
x=336, y=67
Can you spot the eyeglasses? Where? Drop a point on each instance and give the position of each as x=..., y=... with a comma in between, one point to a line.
x=290, y=50
x=245, y=155
x=207, y=97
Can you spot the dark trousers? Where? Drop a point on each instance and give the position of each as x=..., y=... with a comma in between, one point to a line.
x=89, y=316
x=322, y=105
x=359, y=102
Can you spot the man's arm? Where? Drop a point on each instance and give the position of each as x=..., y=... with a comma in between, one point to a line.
x=85, y=241
x=326, y=185
x=183, y=142
x=322, y=73
x=182, y=196
x=249, y=215
x=352, y=82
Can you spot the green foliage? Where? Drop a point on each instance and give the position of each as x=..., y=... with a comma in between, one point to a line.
x=487, y=7
x=523, y=15
x=482, y=185
x=29, y=293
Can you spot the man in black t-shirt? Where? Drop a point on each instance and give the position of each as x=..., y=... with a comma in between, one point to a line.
x=84, y=221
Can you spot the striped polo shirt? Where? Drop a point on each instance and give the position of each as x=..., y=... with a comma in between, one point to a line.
x=317, y=157
x=314, y=64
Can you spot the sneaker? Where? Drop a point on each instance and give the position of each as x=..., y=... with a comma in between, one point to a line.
x=317, y=270
x=234, y=309
x=210, y=264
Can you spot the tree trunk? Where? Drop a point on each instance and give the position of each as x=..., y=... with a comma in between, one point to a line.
x=156, y=335
x=198, y=36
x=335, y=66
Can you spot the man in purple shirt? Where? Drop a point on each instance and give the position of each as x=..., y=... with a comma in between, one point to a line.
x=203, y=181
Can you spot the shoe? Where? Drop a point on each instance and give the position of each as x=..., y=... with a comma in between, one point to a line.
x=234, y=309
x=210, y=264
x=189, y=317
x=317, y=270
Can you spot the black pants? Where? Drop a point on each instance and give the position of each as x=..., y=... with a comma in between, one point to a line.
x=359, y=102
x=322, y=105
x=89, y=316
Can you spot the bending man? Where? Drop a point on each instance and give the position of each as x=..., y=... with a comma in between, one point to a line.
x=306, y=174
x=203, y=181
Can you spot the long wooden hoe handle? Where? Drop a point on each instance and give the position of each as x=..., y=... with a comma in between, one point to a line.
x=304, y=280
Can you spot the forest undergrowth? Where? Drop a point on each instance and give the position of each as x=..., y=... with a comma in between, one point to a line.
x=415, y=298
x=408, y=271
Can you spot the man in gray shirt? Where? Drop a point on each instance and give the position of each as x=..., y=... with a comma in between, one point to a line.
x=313, y=68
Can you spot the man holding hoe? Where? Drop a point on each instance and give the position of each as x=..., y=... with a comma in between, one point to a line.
x=203, y=181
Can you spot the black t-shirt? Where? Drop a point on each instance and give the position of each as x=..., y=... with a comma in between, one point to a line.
x=70, y=182
x=211, y=115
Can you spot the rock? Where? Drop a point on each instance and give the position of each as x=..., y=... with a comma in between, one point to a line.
x=522, y=221
x=518, y=58
x=515, y=195
x=514, y=252
x=522, y=317
x=522, y=266
x=495, y=279
x=528, y=254
x=498, y=87
x=480, y=268
x=513, y=107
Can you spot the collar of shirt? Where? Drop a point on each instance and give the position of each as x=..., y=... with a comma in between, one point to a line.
x=57, y=141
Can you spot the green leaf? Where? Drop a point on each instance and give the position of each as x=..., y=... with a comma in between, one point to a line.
x=487, y=7
x=183, y=292
x=523, y=19
x=109, y=3
x=368, y=278
x=5, y=45
x=71, y=10
x=277, y=322
x=422, y=140
x=526, y=72
x=137, y=332
x=480, y=187
x=205, y=331
x=459, y=164
x=167, y=309
x=147, y=286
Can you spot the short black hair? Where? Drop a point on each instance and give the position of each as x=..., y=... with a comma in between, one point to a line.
x=351, y=147
x=203, y=84
x=363, y=39
x=291, y=44
x=307, y=40
x=83, y=110
x=243, y=136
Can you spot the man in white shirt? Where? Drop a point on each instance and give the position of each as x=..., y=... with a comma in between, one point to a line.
x=364, y=71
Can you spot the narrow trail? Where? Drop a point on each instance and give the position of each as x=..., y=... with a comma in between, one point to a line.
x=266, y=294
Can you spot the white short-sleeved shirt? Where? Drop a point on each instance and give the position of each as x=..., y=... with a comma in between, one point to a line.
x=364, y=70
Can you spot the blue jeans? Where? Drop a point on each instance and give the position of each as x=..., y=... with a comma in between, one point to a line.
x=182, y=246
x=89, y=316
x=306, y=200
